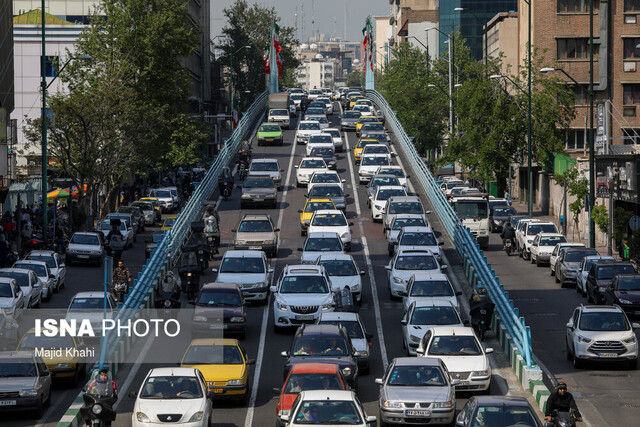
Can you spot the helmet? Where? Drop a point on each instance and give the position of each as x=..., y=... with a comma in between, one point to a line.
x=481, y=290
x=561, y=386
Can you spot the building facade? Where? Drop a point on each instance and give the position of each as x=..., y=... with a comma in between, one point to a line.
x=6, y=90
x=320, y=72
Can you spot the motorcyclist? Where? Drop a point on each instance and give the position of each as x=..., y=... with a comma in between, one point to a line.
x=170, y=287
x=121, y=274
x=102, y=379
x=562, y=401
x=479, y=303
x=508, y=232
x=225, y=180
x=115, y=245
x=212, y=228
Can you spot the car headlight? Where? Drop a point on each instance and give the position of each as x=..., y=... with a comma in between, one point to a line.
x=196, y=417
x=414, y=338
x=624, y=301
x=63, y=365
x=378, y=207
x=398, y=280
x=241, y=242
x=496, y=222
x=281, y=306
x=268, y=242
x=583, y=339
x=167, y=303
x=355, y=287
x=142, y=417
x=346, y=371
x=480, y=373
x=96, y=409
x=327, y=306
x=237, y=319
x=391, y=404
x=345, y=236
x=28, y=392
x=236, y=382
x=442, y=404
x=282, y=412
x=199, y=318
x=629, y=340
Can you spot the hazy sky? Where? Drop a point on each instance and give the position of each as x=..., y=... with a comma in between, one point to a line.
x=325, y=13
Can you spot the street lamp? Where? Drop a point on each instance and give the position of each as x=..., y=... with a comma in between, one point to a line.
x=45, y=157
x=486, y=50
x=231, y=75
x=426, y=47
x=451, y=63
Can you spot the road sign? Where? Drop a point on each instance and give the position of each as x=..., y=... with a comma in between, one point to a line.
x=634, y=223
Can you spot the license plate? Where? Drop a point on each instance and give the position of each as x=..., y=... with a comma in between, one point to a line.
x=607, y=355
x=463, y=383
x=83, y=256
x=216, y=326
x=270, y=139
x=218, y=390
x=8, y=402
x=256, y=248
x=305, y=317
x=416, y=413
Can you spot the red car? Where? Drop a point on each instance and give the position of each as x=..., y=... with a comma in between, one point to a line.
x=307, y=376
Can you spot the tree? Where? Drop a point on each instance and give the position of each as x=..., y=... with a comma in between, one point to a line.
x=600, y=216
x=579, y=188
x=355, y=78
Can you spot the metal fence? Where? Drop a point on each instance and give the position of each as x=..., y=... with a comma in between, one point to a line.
x=476, y=266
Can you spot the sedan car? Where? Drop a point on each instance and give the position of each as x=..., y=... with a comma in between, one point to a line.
x=372, y=128
x=270, y=133
x=319, y=140
x=369, y=164
x=568, y=262
x=601, y=275
x=418, y=237
x=257, y=232
x=422, y=315
x=310, y=207
x=306, y=168
x=406, y=263
x=379, y=180
x=332, y=221
x=329, y=191
x=219, y=307
x=319, y=243
x=306, y=128
x=497, y=411
x=25, y=382
x=417, y=390
x=367, y=117
x=555, y=254
x=397, y=171
x=267, y=167
x=357, y=150
x=624, y=292
x=344, y=273
x=138, y=215
x=148, y=212
x=583, y=270
x=360, y=339
x=327, y=154
x=398, y=223
x=401, y=205
x=28, y=282
x=349, y=119
x=259, y=190
x=172, y=392
x=325, y=177
x=542, y=246
x=248, y=269
x=328, y=408
x=85, y=247
x=42, y=270
x=431, y=287
x=377, y=149
x=498, y=216
x=338, y=141
x=379, y=199
x=12, y=300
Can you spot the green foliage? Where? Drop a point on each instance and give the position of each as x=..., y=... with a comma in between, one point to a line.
x=355, y=78
x=621, y=224
x=579, y=188
x=600, y=216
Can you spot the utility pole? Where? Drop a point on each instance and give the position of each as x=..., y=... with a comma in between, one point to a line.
x=45, y=159
x=592, y=167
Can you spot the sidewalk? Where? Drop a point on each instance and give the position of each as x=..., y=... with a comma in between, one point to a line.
x=521, y=208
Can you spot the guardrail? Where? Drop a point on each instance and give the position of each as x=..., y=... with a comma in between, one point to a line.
x=477, y=268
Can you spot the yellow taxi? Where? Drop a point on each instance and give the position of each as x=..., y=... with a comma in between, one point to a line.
x=156, y=206
x=64, y=356
x=310, y=207
x=357, y=151
x=365, y=119
x=168, y=223
x=353, y=99
x=224, y=365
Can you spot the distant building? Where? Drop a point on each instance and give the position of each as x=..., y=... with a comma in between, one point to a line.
x=319, y=72
x=7, y=101
x=409, y=21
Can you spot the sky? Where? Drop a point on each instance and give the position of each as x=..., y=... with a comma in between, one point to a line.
x=324, y=13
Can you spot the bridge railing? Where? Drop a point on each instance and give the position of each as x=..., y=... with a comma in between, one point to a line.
x=476, y=266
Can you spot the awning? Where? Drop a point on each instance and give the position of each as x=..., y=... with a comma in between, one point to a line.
x=404, y=30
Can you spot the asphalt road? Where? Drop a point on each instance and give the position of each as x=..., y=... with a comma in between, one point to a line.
x=369, y=249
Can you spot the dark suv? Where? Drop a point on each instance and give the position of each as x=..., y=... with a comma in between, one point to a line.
x=601, y=275
x=625, y=292
x=324, y=344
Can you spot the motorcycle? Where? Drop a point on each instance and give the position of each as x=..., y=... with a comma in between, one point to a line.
x=242, y=169
x=508, y=246
x=97, y=409
x=481, y=318
x=168, y=302
x=226, y=188
x=120, y=289
x=562, y=419
x=212, y=233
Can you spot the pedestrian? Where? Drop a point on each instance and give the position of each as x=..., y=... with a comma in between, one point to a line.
x=507, y=197
x=4, y=251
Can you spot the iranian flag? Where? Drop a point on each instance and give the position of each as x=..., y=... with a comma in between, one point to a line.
x=272, y=50
x=367, y=32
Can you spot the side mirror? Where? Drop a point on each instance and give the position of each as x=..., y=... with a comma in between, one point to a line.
x=270, y=270
x=299, y=210
x=635, y=325
x=362, y=272
x=285, y=418
x=459, y=423
x=133, y=394
x=277, y=230
x=251, y=361
x=403, y=322
x=458, y=293
x=429, y=212
x=420, y=351
x=284, y=353
x=443, y=267
x=379, y=381
x=357, y=354
x=299, y=249
x=402, y=293
x=440, y=243
x=296, y=166
x=276, y=391
x=455, y=382
x=344, y=180
x=351, y=224
x=387, y=267
x=215, y=270
x=489, y=350
x=371, y=418
x=272, y=289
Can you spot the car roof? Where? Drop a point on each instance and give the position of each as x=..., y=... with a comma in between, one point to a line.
x=339, y=315
x=408, y=216
x=242, y=254
x=600, y=257
x=6, y=279
x=538, y=222
x=15, y=270
x=425, y=276
x=310, y=158
x=390, y=187
x=432, y=302
x=414, y=250
x=500, y=400
x=404, y=199
x=31, y=261
x=15, y=354
x=86, y=233
x=314, y=367
x=41, y=252
x=452, y=330
x=335, y=257
x=417, y=229
x=383, y=175
x=375, y=155
x=328, y=211
x=550, y=234
x=324, y=329
x=322, y=235
x=300, y=269
x=89, y=294
x=264, y=160
x=413, y=361
x=571, y=245
x=214, y=341
x=607, y=308
x=174, y=371
x=255, y=217
x=327, y=395
x=221, y=285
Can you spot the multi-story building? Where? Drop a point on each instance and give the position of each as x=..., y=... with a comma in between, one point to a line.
x=6, y=86
x=382, y=31
x=320, y=72
x=410, y=20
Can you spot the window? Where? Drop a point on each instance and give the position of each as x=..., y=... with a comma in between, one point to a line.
x=631, y=49
x=575, y=5
x=581, y=93
x=632, y=5
x=631, y=136
x=51, y=69
x=631, y=94
x=573, y=48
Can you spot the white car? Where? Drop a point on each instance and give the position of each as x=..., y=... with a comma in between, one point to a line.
x=90, y=305
x=279, y=116
x=531, y=230
x=430, y=286
x=336, y=137
x=248, y=269
x=55, y=263
x=325, y=177
x=402, y=205
x=418, y=237
x=164, y=198
x=463, y=355
x=306, y=128
x=542, y=246
x=520, y=232
x=327, y=103
x=583, y=270
x=398, y=223
x=378, y=180
x=320, y=243
x=601, y=334
x=301, y=294
x=556, y=253
x=423, y=315
x=332, y=220
x=397, y=171
x=364, y=110
x=340, y=405
x=314, y=93
x=29, y=284
x=127, y=232
x=41, y=269
x=306, y=168
x=319, y=140
x=173, y=392
x=343, y=272
x=85, y=247
x=369, y=164
x=377, y=149
x=406, y=263
x=360, y=340
x=12, y=300
x=321, y=119
x=378, y=200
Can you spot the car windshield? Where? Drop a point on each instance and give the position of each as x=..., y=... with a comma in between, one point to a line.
x=31, y=341
x=372, y=126
x=376, y=149
x=311, y=207
x=354, y=329
x=467, y=210
x=335, y=133
x=603, y=321
x=316, y=104
x=325, y=412
x=505, y=415
x=298, y=382
x=264, y=166
x=315, y=111
x=551, y=240
x=322, y=120
x=22, y=279
x=329, y=220
x=610, y=271
x=416, y=262
x=392, y=171
x=418, y=239
x=272, y=128
x=386, y=193
x=171, y=387
x=296, y=96
x=503, y=211
x=326, y=190
x=325, y=345
x=322, y=151
x=339, y=267
x=40, y=270
x=242, y=265
x=161, y=193
x=576, y=256
x=452, y=345
x=320, y=139
x=169, y=222
x=280, y=112
x=312, y=164
x=375, y=160
x=414, y=376
x=128, y=209
x=144, y=206
x=364, y=142
x=106, y=226
x=304, y=285
x=629, y=283
x=49, y=259
x=309, y=126
x=87, y=304
x=405, y=208
x=85, y=239
x=384, y=180
x=434, y=316
x=5, y=290
x=258, y=182
x=351, y=115
x=541, y=228
x=431, y=288
x=219, y=297
x=408, y=222
x=256, y=226
x=323, y=244
x=325, y=177
x=17, y=368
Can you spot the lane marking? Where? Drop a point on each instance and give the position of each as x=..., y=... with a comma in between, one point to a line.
x=265, y=316
x=367, y=257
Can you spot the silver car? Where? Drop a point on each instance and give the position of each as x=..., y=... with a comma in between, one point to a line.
x=249, y=270
x=138, y=216
x=329, y=191
x=257, y=232
x=25, y=382
x=349, y=119
x=55, y=263
x=43, y=272
x=258, y=190
x=148, y=211
x=267, y=167
x=85, y=247
x=417, y=389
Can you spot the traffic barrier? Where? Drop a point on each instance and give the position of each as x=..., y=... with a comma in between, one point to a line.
x=142, y=293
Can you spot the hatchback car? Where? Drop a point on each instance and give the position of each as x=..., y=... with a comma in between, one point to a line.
x=85, y=247
x=568, y=262
x=360, y=339
x=429, y=286
x=169, y=394
x=417, y=390
x=327, y=408
x=369, y=164
x=405, y=264
x=422, y=315
x=219, y=307
x=248, y=269
x=310, y=206
x=497, y=411
x=42, y=270
x=329, y=191
x=306, y=168
x=257, y=232
x=601, y=333
x=333, y=221
x=378, y=200
x=319, y=243
x=25, y=382
x=267, y=167
x=259, y=190
x=344, y=273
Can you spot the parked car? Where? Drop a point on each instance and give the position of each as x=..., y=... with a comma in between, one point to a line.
x=542, y=246
x=25, y=382
x=28, y=282
x=56, y=265
x=219, y=307
x=12, y=299
x=497, y=411
x=555, y=254
x=85, y=247
x=138, y=216
x=601, y=275
x=42, y=270
x=148, y=212
x=250, y=270
x=91, y=305
x=624, y=292
x=529, y=233
x=568, y=262
x=583, y=270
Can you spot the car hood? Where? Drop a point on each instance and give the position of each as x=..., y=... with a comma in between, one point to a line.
x=258, y=191
x=270, y=174
x=406, y=274
x=305, y=299
x=606, y=335
x=435, y=249
x=253, y=236
x=218, y=312
x=500, y=218
x=465, y=363
x=286, y=401
x=153, y=407
x=416, y=394
x=309, y=131
x=340, y=229
x=241, y=278
x=220, y=372
x=546, y=249
x=17, y=383
x=312, y=256
x=79, y=247
x=6, y=302
x=571, y=265
x=349, y=120
x=603, y=282
x=633, y=296
x=341, y=282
